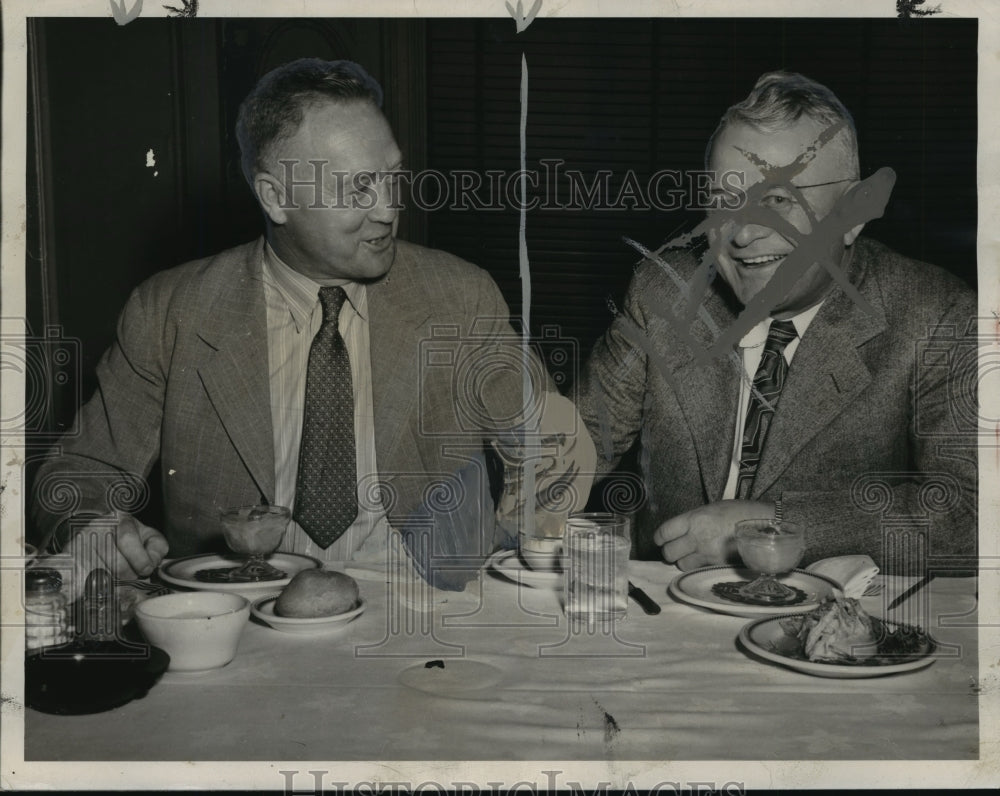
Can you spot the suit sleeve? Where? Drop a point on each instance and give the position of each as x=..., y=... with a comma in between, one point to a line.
x=102, y=465
x=925, y=516
x=481, y=398
x=612, y=386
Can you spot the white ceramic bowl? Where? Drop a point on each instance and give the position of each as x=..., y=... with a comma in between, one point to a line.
x=542, y=553
x=199, y=630
x=263, y=609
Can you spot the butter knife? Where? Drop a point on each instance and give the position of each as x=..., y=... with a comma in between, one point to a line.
x=644, y=600
x=911, y=591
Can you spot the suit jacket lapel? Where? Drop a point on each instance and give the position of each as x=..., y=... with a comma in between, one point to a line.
x=234, y=370
x=706, y=389
x=707, y=395
x=826, y=374
x=398, y=307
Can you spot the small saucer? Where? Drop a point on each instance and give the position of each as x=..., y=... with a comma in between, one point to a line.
x=450, y=676
x=263, y=609
x=695, y=588
x=509, y=564
x=183, y=572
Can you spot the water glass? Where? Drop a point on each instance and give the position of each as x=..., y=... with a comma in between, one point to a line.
x=596, y=551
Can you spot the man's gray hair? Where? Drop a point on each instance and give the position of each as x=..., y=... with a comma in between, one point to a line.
x=780, y=99
x=274, y=109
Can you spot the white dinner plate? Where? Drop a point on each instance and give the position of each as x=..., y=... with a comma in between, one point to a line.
x=695, y=588
x=766, y=638
x=263, y=609
x=509, y=564
x=181, y=572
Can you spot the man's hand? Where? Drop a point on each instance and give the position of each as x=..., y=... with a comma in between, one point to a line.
x=705, y=536
x=118, y=543
x=565, y=461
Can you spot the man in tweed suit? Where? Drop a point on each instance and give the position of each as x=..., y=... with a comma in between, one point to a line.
x=870, y=441
x=208, y=371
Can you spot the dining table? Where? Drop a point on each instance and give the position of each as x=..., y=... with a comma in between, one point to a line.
x=496, y=673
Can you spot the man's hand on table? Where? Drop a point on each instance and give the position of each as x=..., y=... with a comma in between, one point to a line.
x=125, y=547
x=705, y=536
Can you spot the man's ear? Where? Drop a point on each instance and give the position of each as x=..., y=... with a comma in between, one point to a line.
x=271, y=195
x=864, y=201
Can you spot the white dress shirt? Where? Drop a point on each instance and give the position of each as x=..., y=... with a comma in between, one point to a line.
x=294, y=316
x=751, y=348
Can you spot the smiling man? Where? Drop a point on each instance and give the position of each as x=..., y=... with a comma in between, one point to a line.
x=327, y=367
x=787, y=373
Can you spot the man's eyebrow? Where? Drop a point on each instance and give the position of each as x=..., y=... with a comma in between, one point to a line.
x=821, y=184
x=353, y=175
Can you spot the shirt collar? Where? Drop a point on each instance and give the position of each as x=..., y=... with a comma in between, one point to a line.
x=757, y=336
x=301, y=294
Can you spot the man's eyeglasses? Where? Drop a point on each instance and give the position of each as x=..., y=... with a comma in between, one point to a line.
x=777, y=198
x=782, y=199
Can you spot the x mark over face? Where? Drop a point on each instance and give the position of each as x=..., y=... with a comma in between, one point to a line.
x=782, y=250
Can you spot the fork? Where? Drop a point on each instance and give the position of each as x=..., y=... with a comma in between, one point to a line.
x=153, y=589
x=873, y=590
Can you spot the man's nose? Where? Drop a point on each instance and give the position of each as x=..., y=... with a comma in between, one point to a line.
x=386, y=206
x=748, y=233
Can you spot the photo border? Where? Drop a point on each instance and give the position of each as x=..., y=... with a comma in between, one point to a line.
x=18, y=773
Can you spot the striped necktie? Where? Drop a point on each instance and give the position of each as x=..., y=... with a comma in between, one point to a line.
x=326, y=501
x=767, y=382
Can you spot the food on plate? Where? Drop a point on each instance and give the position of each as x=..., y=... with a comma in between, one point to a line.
x=316, y=592
x=840, y=631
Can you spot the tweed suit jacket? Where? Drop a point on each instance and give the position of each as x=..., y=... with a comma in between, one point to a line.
x=872, y=446
x=186, y=383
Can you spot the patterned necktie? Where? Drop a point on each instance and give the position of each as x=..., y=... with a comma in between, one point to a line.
x=767, y=382
x=326, y=500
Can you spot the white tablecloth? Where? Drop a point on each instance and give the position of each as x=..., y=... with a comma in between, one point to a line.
x=516, y=685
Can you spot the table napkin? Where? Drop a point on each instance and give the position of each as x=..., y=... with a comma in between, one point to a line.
x=853, y=573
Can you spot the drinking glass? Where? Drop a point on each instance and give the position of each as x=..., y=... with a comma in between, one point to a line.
x=253, y=532
x=596, y=550
x=770, y=548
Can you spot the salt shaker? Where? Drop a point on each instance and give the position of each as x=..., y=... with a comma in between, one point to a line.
x=45, y=609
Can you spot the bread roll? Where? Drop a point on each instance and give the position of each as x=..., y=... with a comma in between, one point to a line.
x=316, y=592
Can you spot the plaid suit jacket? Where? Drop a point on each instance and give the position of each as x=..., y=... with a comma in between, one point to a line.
x=875, y=435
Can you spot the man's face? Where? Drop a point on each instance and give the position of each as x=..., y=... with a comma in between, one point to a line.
x=344, y=227
x=783, y=210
